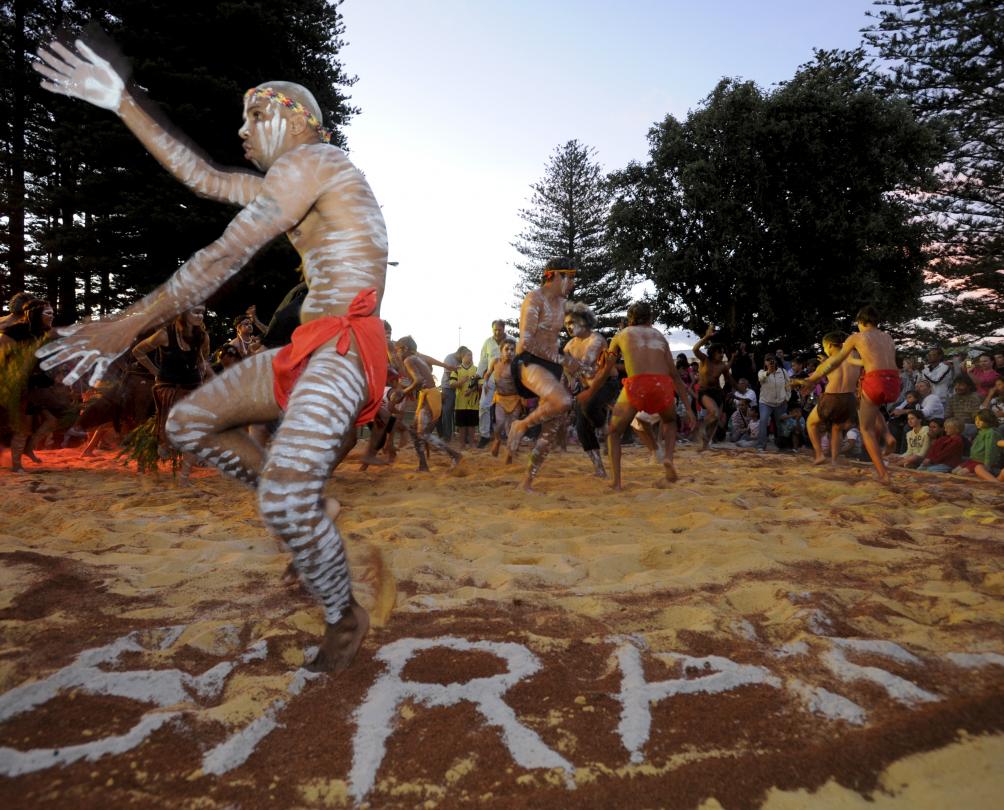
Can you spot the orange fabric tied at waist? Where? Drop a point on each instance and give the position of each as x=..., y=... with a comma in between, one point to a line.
x=360, y=323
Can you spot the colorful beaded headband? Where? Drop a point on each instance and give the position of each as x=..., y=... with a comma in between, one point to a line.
x=288, y=103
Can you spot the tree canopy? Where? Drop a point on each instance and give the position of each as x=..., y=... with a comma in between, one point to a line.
x=946, y=59
x=775, y=214
x=103, y=222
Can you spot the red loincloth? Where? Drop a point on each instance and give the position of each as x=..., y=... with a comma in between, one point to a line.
x=881, y=386
x=651, y=393
x=371, y=342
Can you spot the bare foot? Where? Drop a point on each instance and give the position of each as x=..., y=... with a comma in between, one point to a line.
x=31, y=454
x=508, y=456
x=616, y=486
x=495, y=447
x=890, y=444
x=670, y=471
x=376, y=461
x=290, y=577
x=819, y=460
x=516, y=431
x=527, y=486
x=423, y=468
x=332, y=507
x=341, y=641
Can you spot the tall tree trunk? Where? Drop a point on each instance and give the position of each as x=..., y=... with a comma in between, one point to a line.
x=16, y=252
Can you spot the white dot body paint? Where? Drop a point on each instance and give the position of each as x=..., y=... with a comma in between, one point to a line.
x=637, y=695
x=376, y=715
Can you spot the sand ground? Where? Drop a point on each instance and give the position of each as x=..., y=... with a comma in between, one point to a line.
x=807, y=639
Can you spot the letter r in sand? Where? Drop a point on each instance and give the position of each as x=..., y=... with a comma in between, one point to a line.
x=375, y=717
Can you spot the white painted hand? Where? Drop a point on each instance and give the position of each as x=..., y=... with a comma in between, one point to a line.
x=87, y=76
x=87, y=346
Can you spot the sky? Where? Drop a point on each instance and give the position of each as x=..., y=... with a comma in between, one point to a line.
x=464, y=102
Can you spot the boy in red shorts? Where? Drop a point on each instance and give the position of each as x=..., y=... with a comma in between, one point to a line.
x=651, y=385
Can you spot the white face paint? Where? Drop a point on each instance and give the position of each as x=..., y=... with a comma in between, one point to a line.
x=263, y=132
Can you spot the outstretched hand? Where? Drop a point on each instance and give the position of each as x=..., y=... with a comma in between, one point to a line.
x=83, y=75
x=83, y=347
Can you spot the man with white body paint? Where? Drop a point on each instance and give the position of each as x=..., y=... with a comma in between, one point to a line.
x=329, y=378
x=537, y=369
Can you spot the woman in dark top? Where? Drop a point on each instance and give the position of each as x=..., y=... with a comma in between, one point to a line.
x=40, y=398
x=182, y=364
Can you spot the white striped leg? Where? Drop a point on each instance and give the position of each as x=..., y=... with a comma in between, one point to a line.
x=210, y=422
x=319, y=424
x=548, y=433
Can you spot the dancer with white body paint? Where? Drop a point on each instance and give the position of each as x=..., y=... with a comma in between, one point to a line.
x=332, y=374
x=537, y=369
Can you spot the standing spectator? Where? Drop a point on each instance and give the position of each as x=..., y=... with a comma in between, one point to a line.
x=938, y=373
x=465, y=381
x=744, y=365
x=945, y=452
x=245, y=340
x=183, y=366
x=931, y=404
x=15, y=309
x=908, y=377
x=781, y=362
x=446, y=426
x=984, y=376
x=999, y=362
x=491, y=349
x=775, y=389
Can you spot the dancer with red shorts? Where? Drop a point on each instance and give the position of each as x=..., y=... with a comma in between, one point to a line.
x=878, y=356
x=650, y=386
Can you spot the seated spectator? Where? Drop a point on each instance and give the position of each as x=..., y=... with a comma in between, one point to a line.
x=930, y=403
x=917, y=441
x=964, y=403
x=743, y=391
x=984, y=375
x=985, y=453
x=945, y=452
x=791, y=430
x=739, y=424
x=995, y=400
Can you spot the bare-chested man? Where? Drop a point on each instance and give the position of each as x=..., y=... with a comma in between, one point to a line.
x=838, y=405
x=507, y=402
x=651, y=386
x=430, y=402
x=588, y=346
x=709, y=391
x=332, y=374
x=538, y=365
x=879, y=386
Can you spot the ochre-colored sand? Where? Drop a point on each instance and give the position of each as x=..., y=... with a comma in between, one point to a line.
x=760, y=559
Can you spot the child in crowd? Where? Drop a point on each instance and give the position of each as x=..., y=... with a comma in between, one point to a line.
x=507, y=403
x=918, y=442
x=985, y=454
x=945, y=452
x=466, y=383
x=791, y=430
